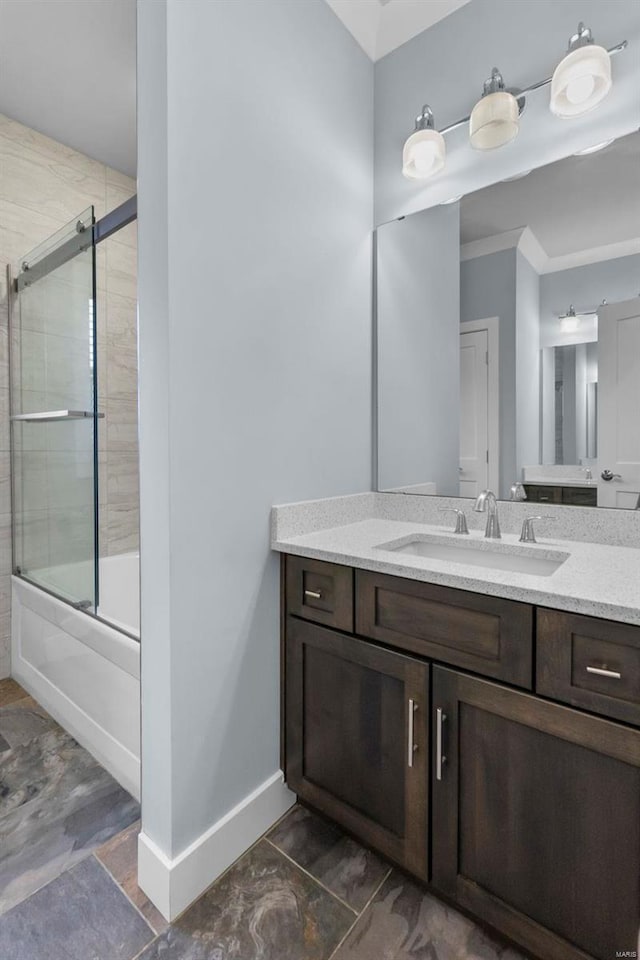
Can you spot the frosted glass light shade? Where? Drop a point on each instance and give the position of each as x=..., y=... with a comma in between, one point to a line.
x=580, y=82
x=494, y=121
x=423, y=155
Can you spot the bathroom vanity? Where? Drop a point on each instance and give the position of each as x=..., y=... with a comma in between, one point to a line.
x=583, y=496
x=488, y=745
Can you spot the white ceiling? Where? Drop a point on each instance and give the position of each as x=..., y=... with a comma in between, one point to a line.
x=574, y=205
x=68, y=70
x=380, y=26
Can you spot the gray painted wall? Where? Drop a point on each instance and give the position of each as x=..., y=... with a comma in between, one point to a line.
x=488, y=289
x=527, y=365
x=446, y=65
x=588, y=286
x=418, y=285
x=255, y=338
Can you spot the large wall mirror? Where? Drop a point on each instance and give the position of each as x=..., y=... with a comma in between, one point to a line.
x=508, y=329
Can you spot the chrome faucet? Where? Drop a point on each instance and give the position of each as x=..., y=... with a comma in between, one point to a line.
x=487, y=503
x=517, y=491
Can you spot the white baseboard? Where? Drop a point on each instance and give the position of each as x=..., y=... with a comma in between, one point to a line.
x=173, y=884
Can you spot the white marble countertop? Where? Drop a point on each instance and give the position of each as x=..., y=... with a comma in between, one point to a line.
x=560, y=482
x=596, y=579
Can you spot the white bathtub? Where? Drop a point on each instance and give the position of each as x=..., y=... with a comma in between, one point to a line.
x=120, y=592
x=83, y=671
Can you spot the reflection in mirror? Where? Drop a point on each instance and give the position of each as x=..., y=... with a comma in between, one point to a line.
x=508, y=328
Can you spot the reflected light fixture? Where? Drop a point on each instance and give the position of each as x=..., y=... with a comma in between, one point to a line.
x=582, y=79
x=570, y=321
x=494, y=120
x=424, y=151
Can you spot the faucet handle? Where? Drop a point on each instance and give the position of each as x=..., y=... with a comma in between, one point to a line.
x=461, y=518
x=528, y=534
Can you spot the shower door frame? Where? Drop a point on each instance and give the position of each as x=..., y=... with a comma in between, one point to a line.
x=97, y=231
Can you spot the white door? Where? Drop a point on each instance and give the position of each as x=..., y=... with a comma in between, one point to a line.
x=619, y=403
x=474, y=418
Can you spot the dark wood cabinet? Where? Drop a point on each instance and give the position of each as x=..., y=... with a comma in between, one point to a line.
x=543, y=493
x=358, y=739
x=485, y=634
x=569, y=496
x=409, y=719
x=536, y=819
x=590, y=663
x=320, y=591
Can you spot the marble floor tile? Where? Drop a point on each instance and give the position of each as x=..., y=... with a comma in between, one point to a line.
x=348, y=870
x=263, y=908
x=4, y=746
x=57, y=805
x=120, y=856
x=82, y=915
x=10, y=691
x=404, y=922
x=22, y=721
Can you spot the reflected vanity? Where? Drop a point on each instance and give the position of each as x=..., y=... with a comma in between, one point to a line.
x=508, y=328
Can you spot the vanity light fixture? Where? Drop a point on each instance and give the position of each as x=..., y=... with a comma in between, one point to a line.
x=594, y=148
x=517, y=176
x=579, y=83
x=424, y=151
x=494, y=120
x=582, y=79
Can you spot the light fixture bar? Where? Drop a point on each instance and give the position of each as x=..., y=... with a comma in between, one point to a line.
x=619, y=47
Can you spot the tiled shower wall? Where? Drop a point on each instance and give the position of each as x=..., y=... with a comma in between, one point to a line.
x=43, y=186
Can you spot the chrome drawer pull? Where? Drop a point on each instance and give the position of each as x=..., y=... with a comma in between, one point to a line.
x=411, y=746
x=603, y=672
x=440, y=757
x=314, y=594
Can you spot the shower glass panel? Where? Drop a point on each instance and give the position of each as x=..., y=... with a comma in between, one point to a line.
x=54, y=415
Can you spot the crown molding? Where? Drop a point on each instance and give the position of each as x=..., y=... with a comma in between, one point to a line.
x=525, y=240
x=380, y=27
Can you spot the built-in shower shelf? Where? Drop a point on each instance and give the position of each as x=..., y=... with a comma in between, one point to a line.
x=51, y=415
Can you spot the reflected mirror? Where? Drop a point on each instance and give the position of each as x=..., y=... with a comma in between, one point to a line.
x=508, y=335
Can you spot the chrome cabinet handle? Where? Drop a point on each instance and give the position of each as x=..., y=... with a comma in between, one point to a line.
x=603, y=672
x=411, y=745
x=440, y=757
x=314, y=594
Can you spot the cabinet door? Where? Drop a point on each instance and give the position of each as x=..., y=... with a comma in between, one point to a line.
x=357, y=738
x=536, y=819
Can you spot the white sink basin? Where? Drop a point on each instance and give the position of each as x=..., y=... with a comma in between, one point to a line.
x=537, y=561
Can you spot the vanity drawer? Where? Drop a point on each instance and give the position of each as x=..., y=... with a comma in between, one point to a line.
x=488, y=635
x=320, y=591
x=589, y=663
x=543, y=493
x=580, y=496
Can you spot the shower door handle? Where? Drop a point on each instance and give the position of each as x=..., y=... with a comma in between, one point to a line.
x=49, y=416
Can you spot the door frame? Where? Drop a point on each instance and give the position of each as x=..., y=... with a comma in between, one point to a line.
x=492, y=326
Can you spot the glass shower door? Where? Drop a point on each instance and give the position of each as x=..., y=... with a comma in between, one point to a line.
x=54, y=415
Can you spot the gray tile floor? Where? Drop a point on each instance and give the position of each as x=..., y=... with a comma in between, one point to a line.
x=68, y=886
